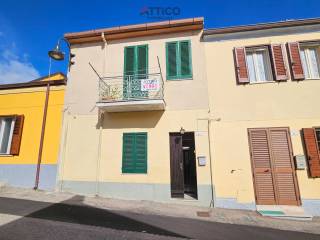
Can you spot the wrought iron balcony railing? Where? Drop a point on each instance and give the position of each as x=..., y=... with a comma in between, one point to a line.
x=131, y=88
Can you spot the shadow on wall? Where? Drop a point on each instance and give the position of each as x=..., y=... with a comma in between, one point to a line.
x=147, y=119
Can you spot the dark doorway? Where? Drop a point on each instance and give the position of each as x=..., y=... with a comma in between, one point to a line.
x=183, y=165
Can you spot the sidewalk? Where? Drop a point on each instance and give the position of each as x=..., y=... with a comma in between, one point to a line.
x=242, y=217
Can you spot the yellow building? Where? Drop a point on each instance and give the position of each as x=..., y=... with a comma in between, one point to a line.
x=171, y=112
x=22, y=107
x=264, y=83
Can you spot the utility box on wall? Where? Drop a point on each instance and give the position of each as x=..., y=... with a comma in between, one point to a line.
x=202, y=161
x=300, y=162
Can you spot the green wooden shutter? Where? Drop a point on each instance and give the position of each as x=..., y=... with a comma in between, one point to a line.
x=179, y=64
x=134, y=153
x=135, y=66
x=172, y=68
x=185, y=59
x=141, y=153
x=128, y=152
x=129, y=61
x=142, y=66
x=141, y=70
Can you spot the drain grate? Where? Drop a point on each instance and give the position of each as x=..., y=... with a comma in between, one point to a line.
x=203, y=214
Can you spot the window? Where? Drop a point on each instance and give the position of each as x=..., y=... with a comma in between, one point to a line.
x=310, y=60
x=134, y=153
x=6, y=131
x=136, y=60
x=258, y=64
x=178, y=60
x=135, y=69
x=318, y=137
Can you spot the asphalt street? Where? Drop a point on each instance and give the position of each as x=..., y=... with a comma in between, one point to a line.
x=58, y=221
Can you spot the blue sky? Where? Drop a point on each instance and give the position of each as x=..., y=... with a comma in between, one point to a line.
x=28, y=29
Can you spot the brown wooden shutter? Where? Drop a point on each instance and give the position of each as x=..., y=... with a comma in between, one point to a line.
x=17, y=135
x=279, y=65
x=312, y=151
x=274, y=175
x=241, y=65
x=261, y=166
x=283, y=167
x=295, y=61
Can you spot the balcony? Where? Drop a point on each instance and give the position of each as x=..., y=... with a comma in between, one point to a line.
x=139, y=92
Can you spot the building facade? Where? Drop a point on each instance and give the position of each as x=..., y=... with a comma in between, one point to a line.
x=263, y=83
x=170, y=112
x=133, y=91
x=21, y=119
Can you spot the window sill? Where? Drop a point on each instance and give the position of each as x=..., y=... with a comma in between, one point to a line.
x=315, y=79
x=180, y=79
x=5, y=155
x=253, y=83
x=288, y=80
x=133, y=173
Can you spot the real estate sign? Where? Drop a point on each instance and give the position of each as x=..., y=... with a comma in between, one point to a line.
x=150, y=85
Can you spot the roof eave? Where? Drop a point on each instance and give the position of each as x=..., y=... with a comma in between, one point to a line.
x=37, y=82
x=262, y=26
x=32, y=84
x=138, y=30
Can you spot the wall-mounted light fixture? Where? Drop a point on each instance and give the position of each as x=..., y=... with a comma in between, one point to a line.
x=182, y=131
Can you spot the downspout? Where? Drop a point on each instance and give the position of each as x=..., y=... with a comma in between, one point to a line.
x=100, y=118
x=45, y=111
x=210, y=160
x=62, y=152
x=210, y=155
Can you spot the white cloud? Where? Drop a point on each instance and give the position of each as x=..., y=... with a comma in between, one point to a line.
x=9, y=55
x=14, y=70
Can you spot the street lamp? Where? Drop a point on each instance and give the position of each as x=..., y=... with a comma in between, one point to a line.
x=58, y=55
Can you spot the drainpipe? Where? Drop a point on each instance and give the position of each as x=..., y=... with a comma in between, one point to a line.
x=210, y=155
x=210, y=159
x=100, y=119
x=62, y=152
x=45, y=110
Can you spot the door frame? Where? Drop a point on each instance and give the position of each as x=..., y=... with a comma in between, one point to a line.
x=182, y=158
x=296, y=185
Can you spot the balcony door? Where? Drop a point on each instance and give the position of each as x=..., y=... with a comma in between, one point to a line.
x=135, y=69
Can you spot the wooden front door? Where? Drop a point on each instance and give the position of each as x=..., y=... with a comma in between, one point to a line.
x=183, y=165
x=273, y=169
x=176, y=165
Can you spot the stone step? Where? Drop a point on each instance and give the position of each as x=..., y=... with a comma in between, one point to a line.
x=284, y=212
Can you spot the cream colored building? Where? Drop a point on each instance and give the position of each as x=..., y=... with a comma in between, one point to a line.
x=117, y=143
x=258, y=89
x=170, y=112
